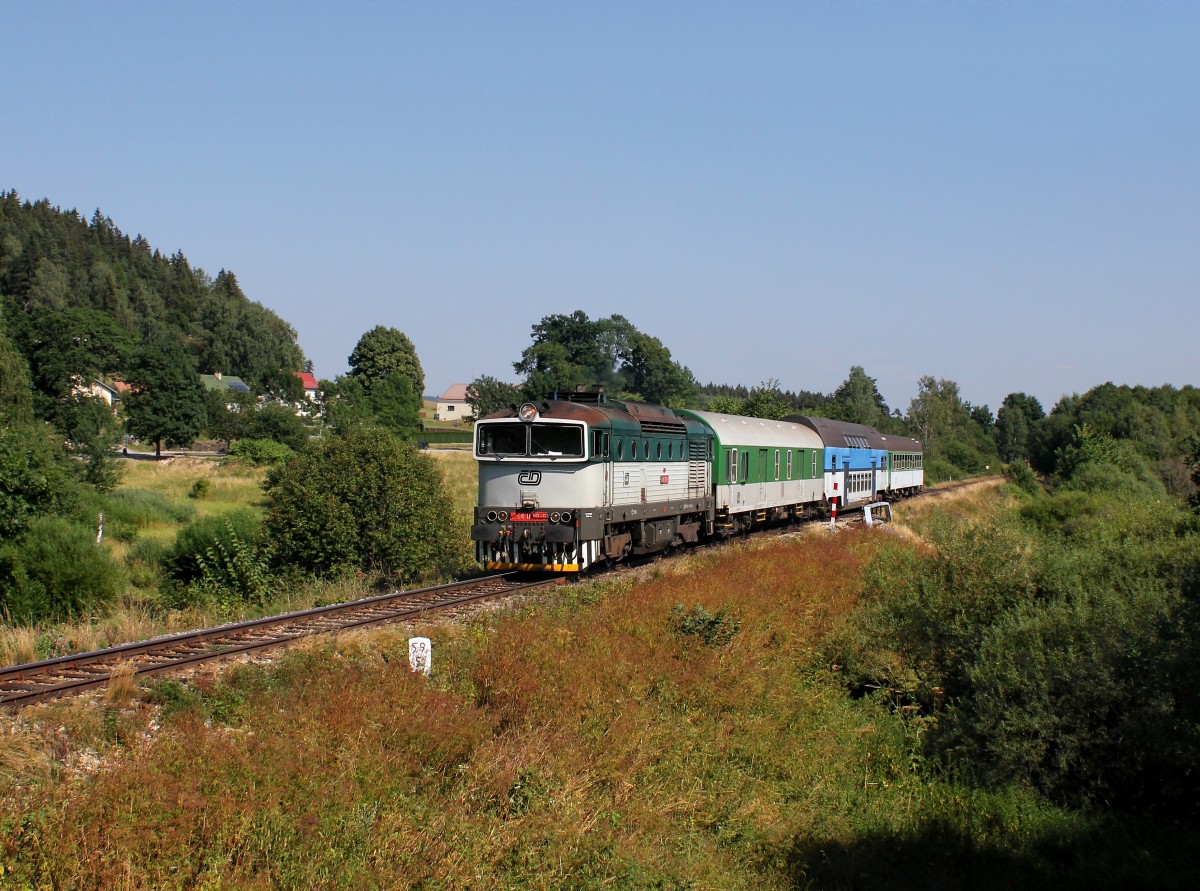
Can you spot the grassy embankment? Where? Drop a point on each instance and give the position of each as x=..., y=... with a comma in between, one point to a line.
x=682, y=728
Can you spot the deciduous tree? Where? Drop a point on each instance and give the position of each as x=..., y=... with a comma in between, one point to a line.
x=166, y=404
x=487, y=394
x=363, y=501
x=382, y=352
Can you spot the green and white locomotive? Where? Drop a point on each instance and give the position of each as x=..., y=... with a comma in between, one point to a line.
x=565, y=484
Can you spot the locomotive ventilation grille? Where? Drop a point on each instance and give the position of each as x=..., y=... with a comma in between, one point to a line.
x=676, y=429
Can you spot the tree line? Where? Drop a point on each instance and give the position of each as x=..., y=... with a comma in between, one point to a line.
x=1160, y=425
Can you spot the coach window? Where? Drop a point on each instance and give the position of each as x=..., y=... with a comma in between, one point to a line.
x=733, y=465
x=789, y=464
x=777, y=464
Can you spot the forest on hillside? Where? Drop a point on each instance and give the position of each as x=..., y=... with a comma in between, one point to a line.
x=79, y=296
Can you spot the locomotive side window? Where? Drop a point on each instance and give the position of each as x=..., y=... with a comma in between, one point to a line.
x=599, y=443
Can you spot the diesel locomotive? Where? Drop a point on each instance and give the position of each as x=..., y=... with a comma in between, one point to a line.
x=565, y=484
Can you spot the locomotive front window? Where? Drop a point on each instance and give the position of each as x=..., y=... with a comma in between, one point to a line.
x=538, y=440
x=502, y=439
x=556, y=440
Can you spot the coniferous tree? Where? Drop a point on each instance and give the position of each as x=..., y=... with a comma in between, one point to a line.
x=858, y=400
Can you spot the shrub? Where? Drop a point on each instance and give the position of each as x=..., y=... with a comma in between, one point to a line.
x=200, y=488
x=260, y=451
x=966, y=459
x=185, y=560
x=36, y=477
x=938, y=470
x=1062, y=647
x=715, y=629
x=1021, y=475
x=145, y=560
x=56, y=571
x=363, y=501
x=231, y=572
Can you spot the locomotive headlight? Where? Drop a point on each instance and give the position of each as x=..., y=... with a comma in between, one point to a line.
x=491, y=516
x=554, y=517
x=502, y=516
x=566, y=516
x=527, y=412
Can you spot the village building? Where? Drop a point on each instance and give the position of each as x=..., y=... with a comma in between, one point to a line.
x=452, y=405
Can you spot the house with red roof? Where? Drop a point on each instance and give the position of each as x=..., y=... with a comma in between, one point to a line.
x=312, y=394
x=309, y=382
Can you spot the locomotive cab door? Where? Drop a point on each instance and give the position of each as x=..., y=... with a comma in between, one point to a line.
x=601, y=452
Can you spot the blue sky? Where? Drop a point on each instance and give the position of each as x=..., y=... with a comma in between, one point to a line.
x=1003, y=194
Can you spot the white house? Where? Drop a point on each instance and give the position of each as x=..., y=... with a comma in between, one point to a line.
x=452, y=405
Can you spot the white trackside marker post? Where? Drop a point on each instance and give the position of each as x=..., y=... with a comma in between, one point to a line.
x=420, y=655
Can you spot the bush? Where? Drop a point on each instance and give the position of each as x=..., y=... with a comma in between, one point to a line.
x=145, y=561
x=363, y=501
x=965, y=458
x=278, y=424
x=715, y=629
x=200, y=488
x=56, y=571
x=1021, y=475
x=938, y=470
x=1058, y=648
x=36, y=477
x=185, y=561
x=232, y=572
x=260, y=451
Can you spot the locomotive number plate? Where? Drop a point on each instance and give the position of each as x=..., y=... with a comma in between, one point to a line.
x=537, y=516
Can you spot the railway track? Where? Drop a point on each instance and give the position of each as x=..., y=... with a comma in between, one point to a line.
x=22, y=685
